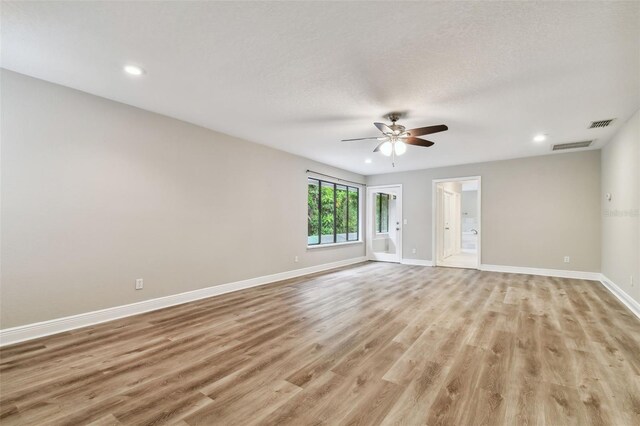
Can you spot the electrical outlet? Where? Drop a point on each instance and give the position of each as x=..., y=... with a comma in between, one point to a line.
x=405, y=221
x=631, y=280
x=295, y=259
x=413, y=251
x=567, y=259
x=139, y=284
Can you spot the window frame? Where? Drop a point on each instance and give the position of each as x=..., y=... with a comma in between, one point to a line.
x=348, y=189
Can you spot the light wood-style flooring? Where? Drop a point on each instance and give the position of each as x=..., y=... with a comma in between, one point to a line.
x=374, y=343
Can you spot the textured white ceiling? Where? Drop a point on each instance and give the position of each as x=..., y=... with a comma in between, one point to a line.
x=301, y=76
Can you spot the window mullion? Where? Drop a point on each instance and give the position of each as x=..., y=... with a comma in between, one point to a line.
x=358, y=214
x=347, y=223
x=335, y=190
x=319, y=212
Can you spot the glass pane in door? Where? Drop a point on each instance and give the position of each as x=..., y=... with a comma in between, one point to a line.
x=385, y=234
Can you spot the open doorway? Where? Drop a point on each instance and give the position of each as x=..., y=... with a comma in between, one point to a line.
x=456, y=222
x=384, y=218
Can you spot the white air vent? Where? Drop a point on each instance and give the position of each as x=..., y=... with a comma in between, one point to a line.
x=601, y=123
x=571, y=145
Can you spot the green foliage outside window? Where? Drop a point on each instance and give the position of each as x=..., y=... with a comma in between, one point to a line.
x=332, y=212
x=326, y=211
x=313, y=215
x=382, y=213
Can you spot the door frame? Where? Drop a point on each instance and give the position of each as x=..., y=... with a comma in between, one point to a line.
x=369, y=215
x=434, y=217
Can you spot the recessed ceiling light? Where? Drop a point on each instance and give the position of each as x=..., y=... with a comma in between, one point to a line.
x=367, y=160
x=133, y=70
x=540, y=138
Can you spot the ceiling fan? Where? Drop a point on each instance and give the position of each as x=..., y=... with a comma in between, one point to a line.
x=395, y=137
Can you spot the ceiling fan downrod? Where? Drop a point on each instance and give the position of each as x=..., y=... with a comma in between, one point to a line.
x=393, y=117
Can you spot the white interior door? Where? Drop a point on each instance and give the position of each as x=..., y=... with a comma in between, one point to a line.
x=384, y=223
x=449, y=224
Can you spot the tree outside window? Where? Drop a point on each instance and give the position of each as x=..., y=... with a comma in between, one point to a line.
x=332, y=211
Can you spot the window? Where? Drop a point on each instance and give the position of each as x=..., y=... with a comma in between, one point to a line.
x=382, y=213
x=333, y=212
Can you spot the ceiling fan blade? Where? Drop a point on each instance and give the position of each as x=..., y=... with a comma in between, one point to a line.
x=360, y=139
x=427, y=130
x=417, y=141
x=383, y=127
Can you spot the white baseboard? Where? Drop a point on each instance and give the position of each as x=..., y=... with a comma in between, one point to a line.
x=623, y=297
x=626, y=300
x=560, y=273
x=45, y=328
x=417, y=262
x=31, y=331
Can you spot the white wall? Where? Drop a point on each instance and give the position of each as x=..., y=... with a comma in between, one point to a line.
x=621, y=215
x=535, y=210
x=96, y=194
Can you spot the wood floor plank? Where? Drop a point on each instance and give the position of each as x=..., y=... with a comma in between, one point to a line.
x=455, y=397
x=374, y=343
x=562, y=402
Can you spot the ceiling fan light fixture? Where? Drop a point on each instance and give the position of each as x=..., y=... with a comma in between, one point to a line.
x=400, y=147
x=386, y=148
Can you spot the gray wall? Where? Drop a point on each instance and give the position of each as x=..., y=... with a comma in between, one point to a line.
x=534, y=210
x=96, y=194
x=620, y=218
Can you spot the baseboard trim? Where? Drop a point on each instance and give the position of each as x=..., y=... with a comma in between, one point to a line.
x=417, y=262
x=23, y=333
x=560, y=273
x=621, y=295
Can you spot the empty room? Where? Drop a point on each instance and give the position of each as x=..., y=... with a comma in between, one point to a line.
x=320, y=213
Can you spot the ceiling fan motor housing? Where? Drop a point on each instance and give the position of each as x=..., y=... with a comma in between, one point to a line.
x=397, y=129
